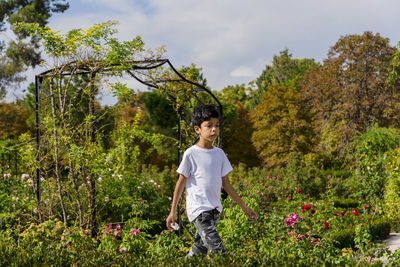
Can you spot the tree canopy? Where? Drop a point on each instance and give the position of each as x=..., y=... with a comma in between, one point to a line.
x=349, y=92
x=23, y=52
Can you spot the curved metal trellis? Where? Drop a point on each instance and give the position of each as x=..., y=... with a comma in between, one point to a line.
x=137, y=70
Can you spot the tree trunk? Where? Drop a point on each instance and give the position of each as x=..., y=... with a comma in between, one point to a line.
x=92, y=181
x=56, y=159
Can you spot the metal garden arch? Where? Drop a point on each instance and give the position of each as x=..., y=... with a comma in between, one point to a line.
x=137, y=70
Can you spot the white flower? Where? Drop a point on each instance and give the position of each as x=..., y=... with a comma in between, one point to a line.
x=151, y=181
x=122, y=249
x=35, y=210
x=159, y=186
x=109, y=170
x=142, y=183
x=106, y=199
x=14, y=198
x=100, y=179
x=42, y=179
x=368, y=168
x=139, y=187
x=169, y=198
x=113, y=176
x=24, y=176
x=30, y=182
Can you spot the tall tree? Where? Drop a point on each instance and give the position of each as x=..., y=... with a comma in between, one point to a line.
x=17, y=55
x=349, y=92
x=237, y=126
x=285, y=70
x=282, y=124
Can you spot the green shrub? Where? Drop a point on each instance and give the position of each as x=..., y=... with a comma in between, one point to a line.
x=379, y=228
x=346, y=203
x=344, y=238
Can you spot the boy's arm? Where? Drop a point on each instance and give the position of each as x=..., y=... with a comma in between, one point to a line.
x=231, y=191
x=180, y=185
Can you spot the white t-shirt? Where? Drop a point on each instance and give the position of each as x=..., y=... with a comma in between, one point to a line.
x=203, y=169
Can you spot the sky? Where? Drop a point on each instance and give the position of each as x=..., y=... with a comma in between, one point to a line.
x=232, y=40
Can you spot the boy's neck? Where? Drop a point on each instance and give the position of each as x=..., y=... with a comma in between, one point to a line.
x=204, y=144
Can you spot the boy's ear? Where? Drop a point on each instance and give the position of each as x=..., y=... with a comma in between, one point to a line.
x=196, y=128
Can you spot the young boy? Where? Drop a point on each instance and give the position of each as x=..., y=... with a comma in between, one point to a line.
x=204, y=168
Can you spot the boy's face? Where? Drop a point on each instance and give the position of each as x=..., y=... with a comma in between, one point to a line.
x=208, y=130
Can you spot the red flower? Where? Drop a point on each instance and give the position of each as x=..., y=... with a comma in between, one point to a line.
x=342, y=213
x=298, y=191
x=366, y=207
x=326, y=225
x=305, y=208
x=354, y=211
x=312, y=211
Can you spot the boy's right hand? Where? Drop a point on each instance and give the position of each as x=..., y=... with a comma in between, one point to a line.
x=170, y=220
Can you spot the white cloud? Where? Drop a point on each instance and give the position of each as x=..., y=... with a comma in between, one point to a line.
x=233, y=40
x=243, y=71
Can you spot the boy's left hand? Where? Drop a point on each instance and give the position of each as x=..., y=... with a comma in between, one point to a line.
x=250, y=213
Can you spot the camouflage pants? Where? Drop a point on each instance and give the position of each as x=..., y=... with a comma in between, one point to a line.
x=207, y=237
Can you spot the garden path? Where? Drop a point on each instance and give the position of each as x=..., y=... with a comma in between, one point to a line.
x=393, y=241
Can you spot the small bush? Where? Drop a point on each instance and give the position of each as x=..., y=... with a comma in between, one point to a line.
x=345, y=203
x=344, y=238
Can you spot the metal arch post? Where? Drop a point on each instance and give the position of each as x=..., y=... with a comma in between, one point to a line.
x=179, y=161
x=397, y=145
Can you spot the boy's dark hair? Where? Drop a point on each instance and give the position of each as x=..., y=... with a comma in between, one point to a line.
x=204, y=113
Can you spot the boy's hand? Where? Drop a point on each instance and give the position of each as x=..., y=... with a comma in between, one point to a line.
x=250, y=213
x=170, y=220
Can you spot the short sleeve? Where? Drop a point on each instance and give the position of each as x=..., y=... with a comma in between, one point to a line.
x=185, y=166
x=226, y=165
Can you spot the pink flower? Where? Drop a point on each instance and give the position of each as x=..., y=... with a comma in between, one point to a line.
x=271, y=187
x=87, y=233
x=267, y=177
x=70, y=232
x=290, y=233
x=313, y=241
x=274, y=178
x=296, y=182
x=134, y=232
x=298, y=191
x=118, y=227
x=329, y=176
x=291, y=175
x=291, y=220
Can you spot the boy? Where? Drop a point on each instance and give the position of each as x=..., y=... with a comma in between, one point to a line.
x=204, y=168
